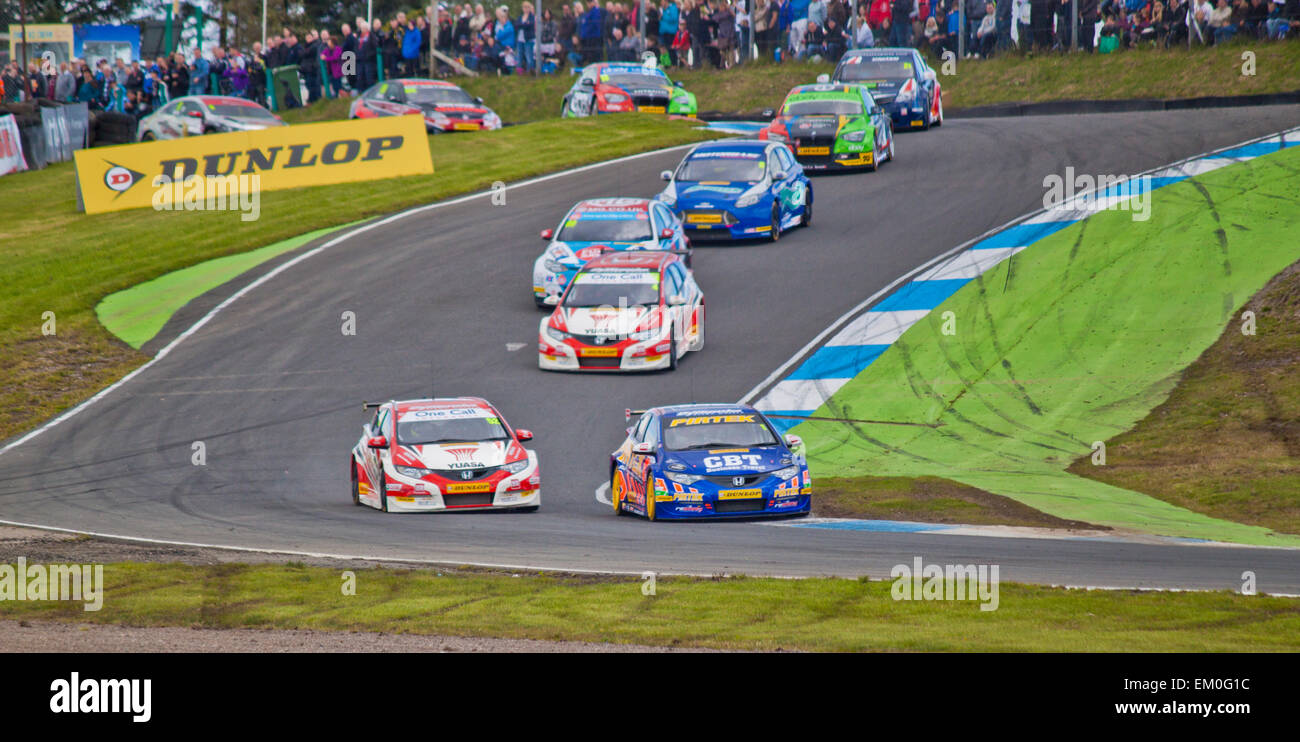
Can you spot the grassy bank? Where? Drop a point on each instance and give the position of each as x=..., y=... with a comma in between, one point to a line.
x=1227, y=441
x=1077, y=339
x=725, y=613
x=926, y=499
x=1143, y=73
x=63, y=261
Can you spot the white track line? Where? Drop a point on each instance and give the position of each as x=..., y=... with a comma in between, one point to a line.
x=309, y=254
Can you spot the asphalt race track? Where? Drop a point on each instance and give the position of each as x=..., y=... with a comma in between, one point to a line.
x=274, y=389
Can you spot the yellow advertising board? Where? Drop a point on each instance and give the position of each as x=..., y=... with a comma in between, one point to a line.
x=129, y=176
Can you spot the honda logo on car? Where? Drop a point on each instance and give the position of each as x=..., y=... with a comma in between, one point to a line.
x=283, y=156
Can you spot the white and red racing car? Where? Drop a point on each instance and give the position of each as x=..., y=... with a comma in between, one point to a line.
x=443, y=454
x=624, y=311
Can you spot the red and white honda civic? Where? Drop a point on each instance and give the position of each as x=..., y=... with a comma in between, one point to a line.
x=443, y=454
x=624, y=311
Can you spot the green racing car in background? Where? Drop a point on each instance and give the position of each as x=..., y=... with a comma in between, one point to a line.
x=833, y=126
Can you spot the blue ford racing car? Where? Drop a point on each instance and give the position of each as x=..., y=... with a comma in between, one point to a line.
x=739, y=189
x=601, y=225
x=708, y=461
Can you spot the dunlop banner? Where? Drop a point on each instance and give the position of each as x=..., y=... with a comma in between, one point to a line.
x=128, y=175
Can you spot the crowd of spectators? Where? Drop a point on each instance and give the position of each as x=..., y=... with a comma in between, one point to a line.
x=718, y=33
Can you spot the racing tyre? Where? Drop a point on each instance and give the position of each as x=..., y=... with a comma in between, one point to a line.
x=383, y=495
x=616, y=493
x=891, y=143
x=147, y=136
x=939, y=121
x=356, y=485
x=775, y=234
x=528, y=509
x=806, y=220
x=699, y=341
x=875, y=158
x=649, y=503
x=672, y=350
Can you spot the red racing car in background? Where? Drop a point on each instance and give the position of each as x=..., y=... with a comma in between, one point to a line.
x=443, y=454
x=444, y=106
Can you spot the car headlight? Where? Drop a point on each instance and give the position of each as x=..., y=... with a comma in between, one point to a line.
x=414, y=472
x=515, y=467
x=855, y=136
x=615, y=98
x=554, y=266
x=787, y=473
x=682, y=101
x=492, y=121
x=749, y=199
x=653, y=332
x=683, y=478
x=557, y=334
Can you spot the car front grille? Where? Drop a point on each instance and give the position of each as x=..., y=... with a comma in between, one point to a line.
x=739, y=506
x=469, y=499
x=600, y=362
x=693, y=218
x=725, y=480
x=457, y=475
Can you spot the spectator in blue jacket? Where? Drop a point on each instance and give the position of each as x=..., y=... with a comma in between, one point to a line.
x=668, y=14
x=411, y=46
x=199, y=74
x=591, y=29
x=504, y=31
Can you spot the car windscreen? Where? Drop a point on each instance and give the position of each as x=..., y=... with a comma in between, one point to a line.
x=634, y=79
x=416, y=432
x=748, y=431
x=239, y=111
x=823, y=107
x=436, y=95
x=875, y=68
x=613, y=289
x=733, y=167
x=625, y=226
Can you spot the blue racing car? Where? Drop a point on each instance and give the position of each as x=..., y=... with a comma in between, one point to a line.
x=708, y=461
x=900, y=81
x=601, y=225
x=739, y=189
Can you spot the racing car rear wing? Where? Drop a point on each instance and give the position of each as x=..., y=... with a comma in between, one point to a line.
x=628, y=414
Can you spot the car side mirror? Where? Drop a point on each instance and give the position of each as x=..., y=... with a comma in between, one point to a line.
x=377, y=441
x=929, y=75
x=768, y=113
x=666, y=234
x=823, y=78
x=678, y=84
x=522, y=435
x=643, y=449
x=676, y=300
x=793, y=441
x=666, y=175
x=548, y=234
x=478, y=100
x=587, y=83
x=551, y=300
x=780, y=175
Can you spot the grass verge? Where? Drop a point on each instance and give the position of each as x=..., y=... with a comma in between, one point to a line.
x=63, y=261
x=1074, y=341
x=725, y=613
x=1142, y=73
x=1227, y=440
x=927, y=500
